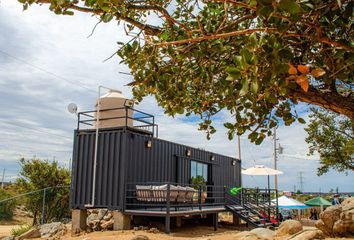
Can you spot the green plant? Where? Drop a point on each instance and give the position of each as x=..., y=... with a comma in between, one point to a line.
x=6, y=208
x=198, y=181
x=18, y=231
x=37, y=174
x=256, y=59
x=331, y=136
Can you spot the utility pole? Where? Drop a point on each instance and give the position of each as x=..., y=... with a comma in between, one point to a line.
x=280, y=151
x=3, y=178
x=239, y=154
x=301, y=181
x=239, y=146
x=275, y=158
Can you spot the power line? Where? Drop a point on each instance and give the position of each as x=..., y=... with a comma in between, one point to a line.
x=81, y=84
x=35, y=129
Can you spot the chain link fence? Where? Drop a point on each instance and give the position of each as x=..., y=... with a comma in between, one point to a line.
x=42, y=205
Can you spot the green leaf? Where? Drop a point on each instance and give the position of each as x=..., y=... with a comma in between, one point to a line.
x=301, y=120
x=67, y=12
x=289, y=6
x=264, y=11
x=107, y=17
x=229, y=125
x=255, y=86
x=247, y=56
x=265, y=2
x=164, y=36
x=245, y=87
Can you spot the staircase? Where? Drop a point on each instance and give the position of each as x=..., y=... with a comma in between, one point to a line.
x=252, y=208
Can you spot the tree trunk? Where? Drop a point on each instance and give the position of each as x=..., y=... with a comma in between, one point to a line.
x=328, y=100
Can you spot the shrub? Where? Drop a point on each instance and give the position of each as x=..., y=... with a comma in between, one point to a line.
x=18, y=231
x=37, y=174
x=6, y=208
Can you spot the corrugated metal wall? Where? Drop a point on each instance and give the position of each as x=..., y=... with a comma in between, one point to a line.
x=164, y=162
x=107, y=172
x=167, y=161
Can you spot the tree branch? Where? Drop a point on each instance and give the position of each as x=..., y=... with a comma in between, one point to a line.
x=147, y=28
x=329, y=100
x=162, y=11
x=249, y=31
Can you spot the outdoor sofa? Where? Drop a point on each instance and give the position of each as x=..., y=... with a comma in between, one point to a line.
x=158, y=193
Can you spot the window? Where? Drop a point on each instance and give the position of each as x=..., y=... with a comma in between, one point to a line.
x=199, y=169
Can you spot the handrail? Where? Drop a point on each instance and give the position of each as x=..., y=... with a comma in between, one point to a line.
x=142, y=120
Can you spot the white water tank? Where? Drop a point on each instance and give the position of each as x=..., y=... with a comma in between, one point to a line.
x=108, y=104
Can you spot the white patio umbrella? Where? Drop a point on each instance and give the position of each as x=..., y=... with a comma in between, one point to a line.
x=261, y=170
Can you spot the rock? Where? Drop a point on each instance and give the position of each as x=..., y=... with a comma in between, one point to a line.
x=32, y=233
x=94, y=211
x=289, y=227
x=51, y=229
x=309, y=235
x=92, y=217
x=348, y=204
x=8, y=238
x=107, y=225
x=140, y=237
x=338, y=221
x=263, y=233
x=101, y=213
x=245, y=235
x=153, y=230
x=108, y=216
x=159, y=225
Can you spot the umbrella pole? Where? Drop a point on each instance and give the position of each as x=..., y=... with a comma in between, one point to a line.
x=268, y=183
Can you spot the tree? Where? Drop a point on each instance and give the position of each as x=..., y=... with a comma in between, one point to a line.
x=331, y=135
x=36, y=174
x=6, y=208
x=255, y=58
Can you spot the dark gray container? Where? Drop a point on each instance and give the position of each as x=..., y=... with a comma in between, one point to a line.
x=123, y=157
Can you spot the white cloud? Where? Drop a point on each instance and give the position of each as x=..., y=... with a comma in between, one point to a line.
x=73, y=69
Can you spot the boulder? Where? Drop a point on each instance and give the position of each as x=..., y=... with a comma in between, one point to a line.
x=338, y=221
x=153, y=230
x=107, y=225
x=101, y=213
x=92, y=217
x=51, y=229
x=245, y=235
x=263, y=233
x=32, y=233
x=289, y=227
x=140, y=237
x=8, y=238
x=309, y=235
x=108, y=216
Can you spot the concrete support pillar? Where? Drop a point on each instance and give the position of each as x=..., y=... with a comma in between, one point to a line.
x=168, y=224
x=215, y=221
x=78, y=217
x=178, y=221
x=121, y=221
x=236, y=221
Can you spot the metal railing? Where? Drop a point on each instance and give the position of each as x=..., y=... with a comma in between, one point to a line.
x=165, y=197
x=127, y=117
x=171, y=197
x=259, y=202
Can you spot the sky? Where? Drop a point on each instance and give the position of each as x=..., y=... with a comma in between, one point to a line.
x=48, y=61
